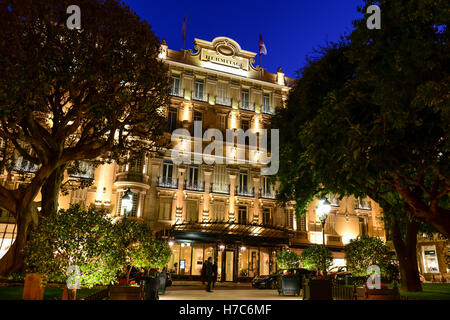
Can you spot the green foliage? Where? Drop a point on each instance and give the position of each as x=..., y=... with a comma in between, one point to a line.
x=317, y=257
x=74, y=237
x=370, y=115
x=137, y=247
x=363, y=252
x=287, y=259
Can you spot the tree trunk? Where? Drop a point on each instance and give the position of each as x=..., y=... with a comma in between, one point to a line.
x=13, y=261
x=50, y=191
x=407, y=255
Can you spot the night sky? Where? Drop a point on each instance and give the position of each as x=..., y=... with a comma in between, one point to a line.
x=290, y=29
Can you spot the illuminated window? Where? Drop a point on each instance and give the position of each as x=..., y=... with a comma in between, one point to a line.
x=172, y=119
x=242, y=215
x=175, y=85
x=245, y=98
x=165, y=208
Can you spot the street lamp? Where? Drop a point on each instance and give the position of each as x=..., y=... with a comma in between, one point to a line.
x=127, y=202
x=322, y=211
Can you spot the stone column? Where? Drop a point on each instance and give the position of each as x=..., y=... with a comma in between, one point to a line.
x=256, y=208
x=150, y=209
x=181, y=201
x=232, y=209
x=206, y=212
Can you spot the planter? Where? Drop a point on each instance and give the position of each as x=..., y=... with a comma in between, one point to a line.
x=382, y=294
x=32, y=288
x=126, y=293
x=162, y=282
x=289, y=284
x=315, y=289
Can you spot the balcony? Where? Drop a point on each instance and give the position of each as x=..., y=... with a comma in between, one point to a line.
x=363, y=204
x=170, y=183
x=266, y=109
x=177, y=92
x=130, y=176
x=223, y=101
x=220, y=188
x=267, y=194
x=199, y=186
x=244, y=191
x=199, y=96
x=246, y=106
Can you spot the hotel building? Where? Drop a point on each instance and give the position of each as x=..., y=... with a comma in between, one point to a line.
x=226, y=211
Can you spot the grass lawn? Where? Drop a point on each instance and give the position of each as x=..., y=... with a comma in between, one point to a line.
x=15, y=293
x=431, y=291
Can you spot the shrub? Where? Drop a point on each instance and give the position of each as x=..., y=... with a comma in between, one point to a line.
x=317, y=257
x=287, y=259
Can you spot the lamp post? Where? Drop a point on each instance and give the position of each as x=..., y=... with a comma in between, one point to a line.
x=127, y=202
x=322, y=210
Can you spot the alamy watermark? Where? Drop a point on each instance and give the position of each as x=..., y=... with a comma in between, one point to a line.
x=74, y=20
x=374, y=20
x=237, y=150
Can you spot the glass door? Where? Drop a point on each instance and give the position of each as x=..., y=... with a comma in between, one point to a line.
x=229, y=265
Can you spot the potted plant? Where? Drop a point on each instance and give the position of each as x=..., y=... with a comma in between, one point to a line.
x=288, y=283
x=318, y=287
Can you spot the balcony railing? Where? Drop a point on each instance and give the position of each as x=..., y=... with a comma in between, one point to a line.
x=130, y=176
x=267, y=194
x=266, y=109
x=363, y=204
x=246, y=192
x=25, y=166
x=199, y=186
x=220, y=188
x=204, y=97
x=223, y=101
x=177, y=92
x=246, y=106
x=167, y=183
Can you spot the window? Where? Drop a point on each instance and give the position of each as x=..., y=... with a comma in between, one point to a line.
x=301, y=222
x=198, y=116
x=193, y=176
x=220, y=179
x=361, y=203
x=165, y=209
x=362, y=227
x=175, y=88
x=191, y=211
x=245, y=125
x=78, y=196
x=289, y=215
x=245, y=98
x=265, y=186
x=222, y=94
x=267, y=219
x=198, y=90
x=242, y=215
x=135, y=199
x=219, y=210
x=136, y=164
x=222, y=122
x=243, y=181
x=167, y=173
x=172, y=118
x=430, y=260
x=266, y=102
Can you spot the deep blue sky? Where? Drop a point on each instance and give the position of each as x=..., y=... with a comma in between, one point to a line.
x=290, y=29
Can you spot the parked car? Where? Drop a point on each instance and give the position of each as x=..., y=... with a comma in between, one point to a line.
x=271, y=281
x=339, y=273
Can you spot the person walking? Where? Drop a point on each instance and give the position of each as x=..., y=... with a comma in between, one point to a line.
x=214, y=278
x=203, y=275
x=209, y=274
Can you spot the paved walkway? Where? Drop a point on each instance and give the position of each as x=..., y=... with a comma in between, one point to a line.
x=222, y=293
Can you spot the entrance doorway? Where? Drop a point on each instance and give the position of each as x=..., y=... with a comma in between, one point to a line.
x=227, y=265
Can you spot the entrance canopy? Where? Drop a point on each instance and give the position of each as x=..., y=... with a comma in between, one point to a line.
x=230, y=232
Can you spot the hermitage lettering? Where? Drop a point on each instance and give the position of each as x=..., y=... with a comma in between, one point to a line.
x=216, y=58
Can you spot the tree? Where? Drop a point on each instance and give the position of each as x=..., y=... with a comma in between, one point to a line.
x=72, y=239
x=137, y=247
x=345, y=131
x=317, y=257
x=287, y=259
x=69, y=95
x=363, y=252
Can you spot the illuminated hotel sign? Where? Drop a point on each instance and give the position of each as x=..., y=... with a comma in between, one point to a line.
x=214, y=57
